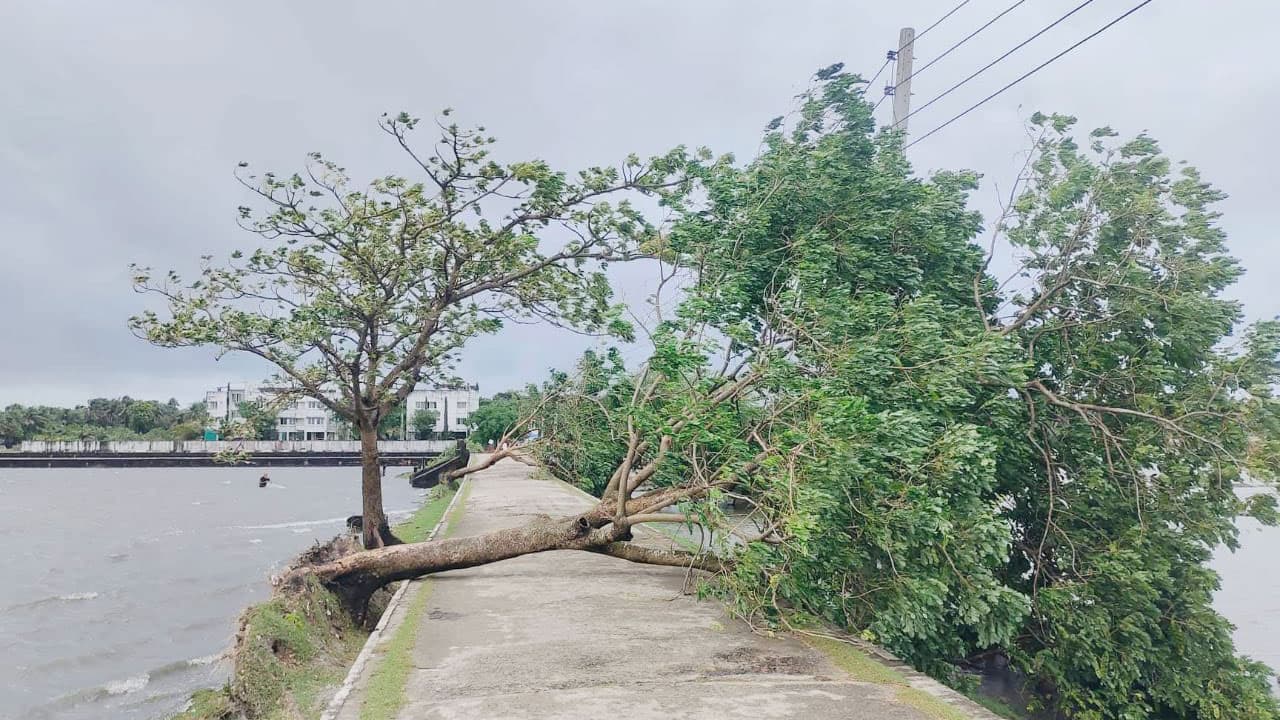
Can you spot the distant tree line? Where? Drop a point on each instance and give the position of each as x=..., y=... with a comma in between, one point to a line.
x=103, y=419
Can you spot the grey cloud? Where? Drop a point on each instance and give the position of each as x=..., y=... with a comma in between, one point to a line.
x=124, y=120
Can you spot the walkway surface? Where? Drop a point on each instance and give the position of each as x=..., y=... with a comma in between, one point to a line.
x=570, y=634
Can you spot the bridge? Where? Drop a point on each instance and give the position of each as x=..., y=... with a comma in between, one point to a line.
x=202, y=453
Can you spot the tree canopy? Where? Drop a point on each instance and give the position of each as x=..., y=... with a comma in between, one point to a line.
x=951, y=467
x=494, y=417
x=361, y=292
x=104, y=419
x=424, y=423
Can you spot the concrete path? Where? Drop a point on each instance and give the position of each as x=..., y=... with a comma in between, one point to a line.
x=575, y=635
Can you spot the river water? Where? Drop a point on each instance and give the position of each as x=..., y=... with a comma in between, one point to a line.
x=120, y=588
x=1250, y=594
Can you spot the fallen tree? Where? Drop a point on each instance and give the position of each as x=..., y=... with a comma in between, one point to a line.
x=605, y=528
x=949, y=467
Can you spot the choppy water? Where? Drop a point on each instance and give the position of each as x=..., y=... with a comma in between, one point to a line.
x=120, y=588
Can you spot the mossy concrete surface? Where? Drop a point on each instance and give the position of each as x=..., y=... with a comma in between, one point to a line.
x=870, y=664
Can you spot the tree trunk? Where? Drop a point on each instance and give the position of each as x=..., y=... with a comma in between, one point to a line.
x=355, y=577
x=375, y=531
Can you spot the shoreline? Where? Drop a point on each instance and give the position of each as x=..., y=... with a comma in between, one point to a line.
x=292, y=653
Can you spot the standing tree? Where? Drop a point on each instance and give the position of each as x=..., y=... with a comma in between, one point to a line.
x=362, y=292
x=494, y=417
x=424, y=423
x=260, y=419
x=391, y=426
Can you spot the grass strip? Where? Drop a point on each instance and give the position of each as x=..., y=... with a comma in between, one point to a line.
x=385, y=694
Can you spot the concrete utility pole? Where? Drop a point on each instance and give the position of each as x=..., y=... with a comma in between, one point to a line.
x=902, y=78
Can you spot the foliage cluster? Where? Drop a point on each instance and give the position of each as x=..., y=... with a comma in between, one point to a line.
x=950, y=464
x=494, y=417
x=580, y=427
x=122, y=418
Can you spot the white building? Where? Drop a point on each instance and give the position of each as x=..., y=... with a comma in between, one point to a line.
x=309, y=419
x=302, y=419
x=223, y=402
x=452, y=404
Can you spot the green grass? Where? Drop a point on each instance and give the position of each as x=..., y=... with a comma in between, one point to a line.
x=857, y=664
x=419, y=525
x=385, y=693
x=384, y=696
x=929, y=705
x=864, y=668
x=291, y=649
x=997, y=706
x=207, y=704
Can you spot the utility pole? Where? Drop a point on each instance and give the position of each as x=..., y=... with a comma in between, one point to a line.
x=902, y=78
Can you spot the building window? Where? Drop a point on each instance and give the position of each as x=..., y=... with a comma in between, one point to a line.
x=420, y=406
x=315, y=421
x=461, y=404
x=432, y=404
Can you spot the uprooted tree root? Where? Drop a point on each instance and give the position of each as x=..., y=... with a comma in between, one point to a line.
x=292, y=650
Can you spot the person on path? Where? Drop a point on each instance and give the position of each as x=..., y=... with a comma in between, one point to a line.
x=262, y=481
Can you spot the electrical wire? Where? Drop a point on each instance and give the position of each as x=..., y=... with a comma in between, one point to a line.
x=1030, y=72
x=935, y=24
x=875, y=77
x=966, y=39
x=893, y=57
x=886, y=94
x=993, y=63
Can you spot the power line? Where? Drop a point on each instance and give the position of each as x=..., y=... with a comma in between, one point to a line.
x=886, y=93
x=875, y=77
x=935, y=24
x=966, y=39
x=993, y=63
x=892, y=55
x=1031, y=72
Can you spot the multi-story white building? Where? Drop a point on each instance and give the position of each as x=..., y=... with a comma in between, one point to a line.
x=302, y=419
x=452, y=404
x=309, y=419
x=223, y=402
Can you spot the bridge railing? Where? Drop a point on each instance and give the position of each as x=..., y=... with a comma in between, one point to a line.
x=217, y=446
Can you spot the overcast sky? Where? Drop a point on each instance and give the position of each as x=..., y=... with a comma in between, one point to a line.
x=122, y=122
